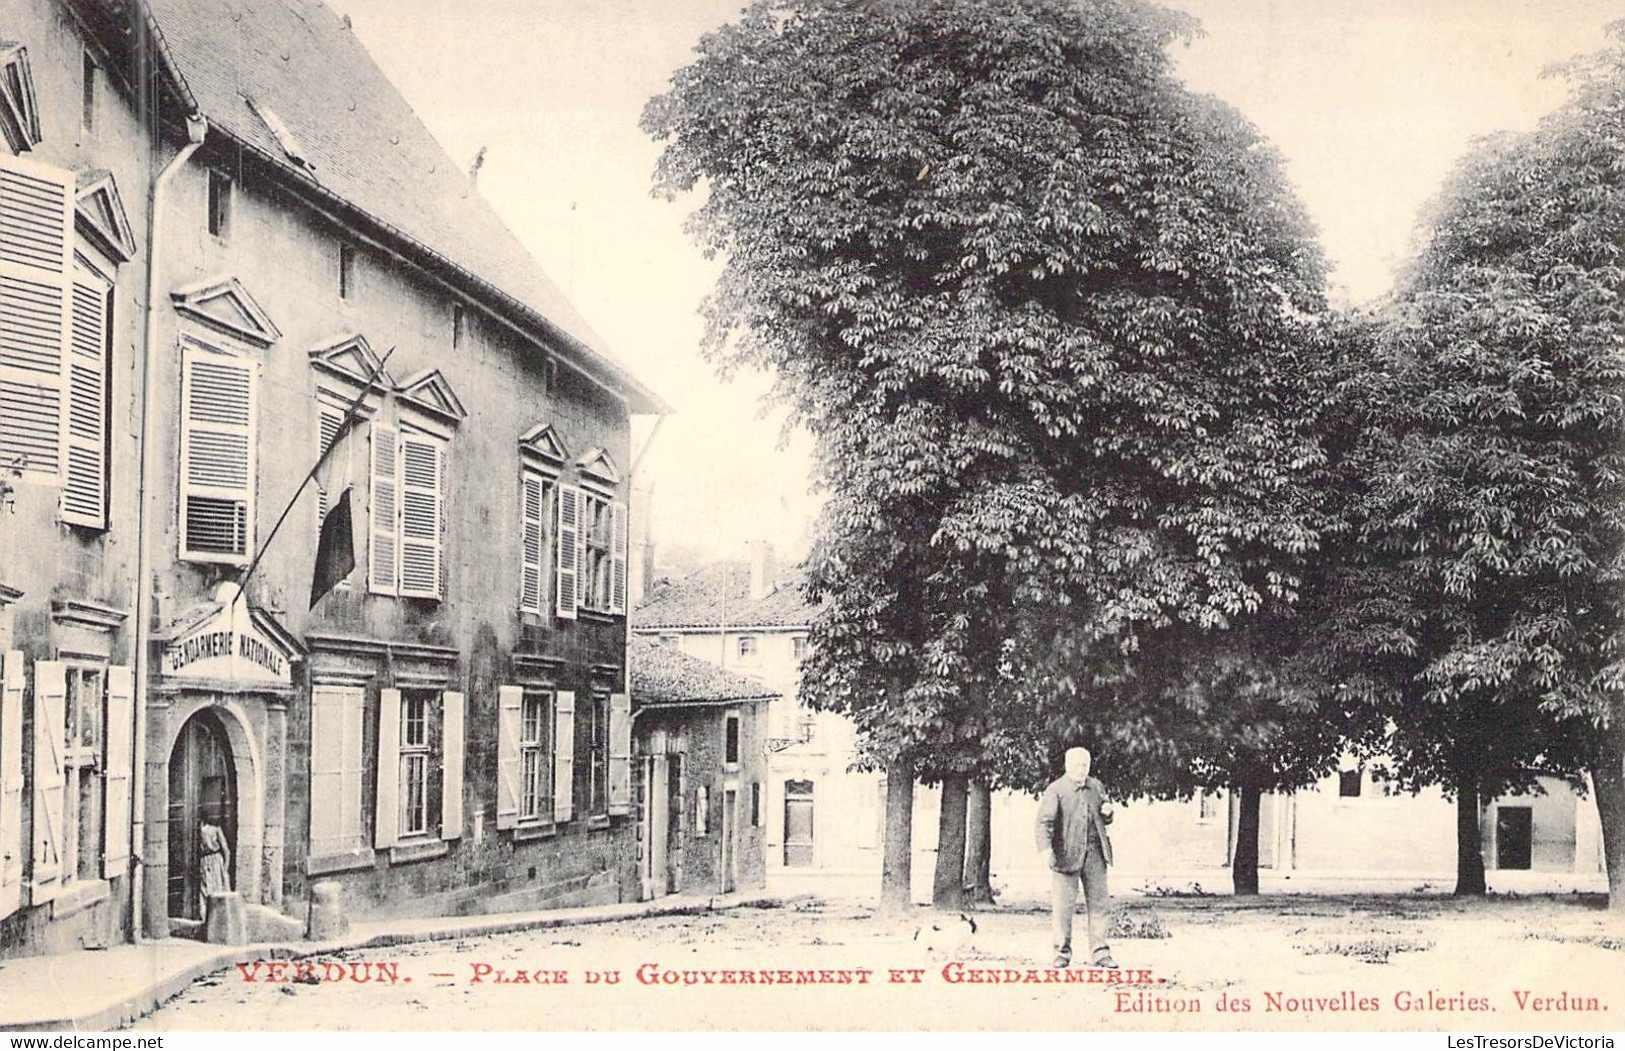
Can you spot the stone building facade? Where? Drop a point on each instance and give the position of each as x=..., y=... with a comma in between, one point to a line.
x=446, y=730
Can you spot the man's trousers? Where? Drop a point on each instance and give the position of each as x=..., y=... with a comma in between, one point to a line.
x=1064, y=902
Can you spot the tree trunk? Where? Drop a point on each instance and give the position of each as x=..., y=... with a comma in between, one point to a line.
x=1469, y=840
x=979, y=844
x=948, y=882
x=897, y=868
x=1608, y=779
x=1244, y=863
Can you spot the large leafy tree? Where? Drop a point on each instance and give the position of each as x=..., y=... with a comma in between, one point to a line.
x=1494, y=516
x=1046, y=315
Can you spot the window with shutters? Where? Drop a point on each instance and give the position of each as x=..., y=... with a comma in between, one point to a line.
x=337, y=766
x=218, y=476
x=37, y=205
x=338, y=470
x=418, y=711
x=536, y=757
x=422, y=492
x=592, y=774
x=85, y=487
x=82, y=767
x=535, y=500
x=603, y=558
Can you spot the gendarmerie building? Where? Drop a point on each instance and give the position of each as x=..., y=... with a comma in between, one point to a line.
x=448, y=727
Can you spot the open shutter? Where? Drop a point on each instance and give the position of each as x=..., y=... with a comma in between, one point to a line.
x=620, y=753
x=50, y=732
x=84, y=491
x=564, y=755
x=454, y=707
x=569, y=538
x=420, y=517
x=36, y=303
x=532, y=490
x=383, y=544
x=116, y=785
x=217, y=457
x=11, y=783
x=328, y=419
x=386, y=822
x=617, y=558
x=510, y=713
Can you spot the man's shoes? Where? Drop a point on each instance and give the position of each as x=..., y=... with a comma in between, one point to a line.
x=1062, y=962
x=1104, y=960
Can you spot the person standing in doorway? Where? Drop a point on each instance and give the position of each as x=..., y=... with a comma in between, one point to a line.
x=1072, y=842
x=214, y=858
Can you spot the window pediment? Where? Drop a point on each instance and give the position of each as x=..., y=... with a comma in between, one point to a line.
x=19, y=113
x=429, y=390
x=351, y=358
x=100, y=215
x=543, y=442
x=225, y=305
x=597, y=463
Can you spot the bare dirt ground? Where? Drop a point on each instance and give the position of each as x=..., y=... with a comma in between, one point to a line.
x=1544, y=963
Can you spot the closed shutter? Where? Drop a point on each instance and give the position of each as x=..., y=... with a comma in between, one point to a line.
x=327, y=428
x=510, y=714
x=11, y=783
x=50, y=776
x=617, y=558
x=116, y=785
x=217, y=457
x=387, y=816
x=532, y=493
x=84, y=493
x=420, y=517
x=336, y=714
x=454, y=707
x=620, y=753
x=568, y=566
x=564, y=754
x=383, y=544
x=36, y=245
x=445, y=522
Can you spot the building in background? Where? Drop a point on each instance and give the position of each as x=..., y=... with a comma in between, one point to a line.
x=700, y=753
x=449, y=728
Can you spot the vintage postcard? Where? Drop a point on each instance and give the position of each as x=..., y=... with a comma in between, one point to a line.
x=881, y=515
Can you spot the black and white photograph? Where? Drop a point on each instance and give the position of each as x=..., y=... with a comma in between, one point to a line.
x=733, y=516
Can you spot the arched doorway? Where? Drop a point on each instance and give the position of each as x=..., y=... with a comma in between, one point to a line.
x=202, y=786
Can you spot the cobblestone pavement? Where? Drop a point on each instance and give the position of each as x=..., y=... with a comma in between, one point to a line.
x=1361, y=962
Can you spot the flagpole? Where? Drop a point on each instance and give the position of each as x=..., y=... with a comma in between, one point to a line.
x=344, y=425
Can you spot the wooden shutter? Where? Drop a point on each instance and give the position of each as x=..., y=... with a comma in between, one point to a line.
x=50, y=777
x=510, y=768
x=445, y=519
x=420, y=517
x=328, y=418
x=568, y=536
x=84, y=489
x=116, y=783
x=617, y=558
x=564, y=753
x=387, y=819
x=454, y=707
x=326, y=768
x=383, y=544
x=36, y=304
x=532, y=493
x=11, y=783
x=217, y=457
x=620, y=753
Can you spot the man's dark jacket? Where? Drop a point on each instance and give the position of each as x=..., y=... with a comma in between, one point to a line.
x=1068, y=815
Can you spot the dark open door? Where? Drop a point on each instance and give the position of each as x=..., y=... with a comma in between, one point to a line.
x=202, y=781
x=1514, y=837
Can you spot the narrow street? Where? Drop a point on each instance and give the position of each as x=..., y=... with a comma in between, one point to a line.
x=1297, y=961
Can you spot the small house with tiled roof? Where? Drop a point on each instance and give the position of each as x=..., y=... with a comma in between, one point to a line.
x=435, y=719
x=700, y=752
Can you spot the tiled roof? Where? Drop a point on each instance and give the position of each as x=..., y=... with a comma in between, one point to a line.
x=289, y=79
x=664, y=676
x=719, y=595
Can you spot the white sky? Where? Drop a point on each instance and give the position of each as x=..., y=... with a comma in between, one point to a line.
x=1371, y=101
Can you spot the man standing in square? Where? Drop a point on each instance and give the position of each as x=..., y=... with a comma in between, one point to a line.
x=1072, y=841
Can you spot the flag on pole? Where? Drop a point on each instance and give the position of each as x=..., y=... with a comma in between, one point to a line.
x=335, y=549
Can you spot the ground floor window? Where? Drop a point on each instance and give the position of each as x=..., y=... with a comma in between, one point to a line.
x=417, y=750
x=83, y=767
x=536, y=757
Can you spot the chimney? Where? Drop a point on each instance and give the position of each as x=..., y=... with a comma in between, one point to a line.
x=763, y=572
